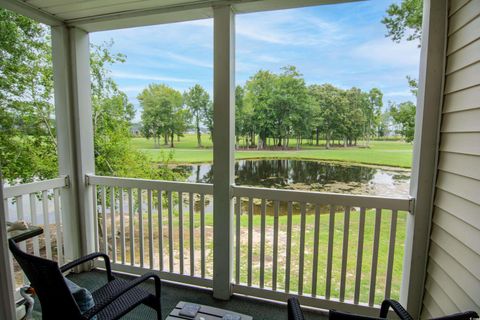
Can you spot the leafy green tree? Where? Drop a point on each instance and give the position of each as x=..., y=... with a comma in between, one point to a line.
x=180, y=123
x=27, y=130
x=208, y=118
x=404, y=20
x=354, y=115
x=330, y=103
x=383, y=125
x=259, y=91
x=112, y=116
x=28, y=146
x=239, y=113
x=197, y=99
x=163, y=112
x=114, y=153
x=291, y=107
x=374, y=112
x=248, y=128
x=413, y=84
x=404, y=116
x=317, y=119
x=276, y=106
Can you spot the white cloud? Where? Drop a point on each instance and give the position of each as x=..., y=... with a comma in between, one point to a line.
x=143, y=76
x=131, y=89
x=384, y=51
x=188, y=60
x=261, y=34
x=208, y=23
x=268, y=58
x=403, y=93
x=288, y=27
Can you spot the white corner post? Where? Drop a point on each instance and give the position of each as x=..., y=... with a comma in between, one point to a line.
x=73, y=115
x=223, y=148
x=425, y=153
x=7, y=303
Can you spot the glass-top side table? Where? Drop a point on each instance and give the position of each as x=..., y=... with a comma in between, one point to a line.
x=22, y=235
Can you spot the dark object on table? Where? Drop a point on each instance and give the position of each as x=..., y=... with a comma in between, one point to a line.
x=295, y=312
x=189, y=310
x=112, y=301
x=206, y=313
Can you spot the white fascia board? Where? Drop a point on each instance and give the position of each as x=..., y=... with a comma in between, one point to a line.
x=31, y=12
x=194, y=10
x=268, y=5
x=141, y=20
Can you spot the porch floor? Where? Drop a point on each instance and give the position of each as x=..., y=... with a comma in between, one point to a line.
x=173, y=293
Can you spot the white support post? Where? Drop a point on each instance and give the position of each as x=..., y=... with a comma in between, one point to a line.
x=73, y=113
x=425, y=153
x=7, y=303
x=223, y=149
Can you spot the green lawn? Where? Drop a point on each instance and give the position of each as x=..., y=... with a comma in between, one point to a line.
x=387, y=153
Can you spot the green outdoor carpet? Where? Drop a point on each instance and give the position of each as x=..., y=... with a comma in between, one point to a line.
x=173, y=293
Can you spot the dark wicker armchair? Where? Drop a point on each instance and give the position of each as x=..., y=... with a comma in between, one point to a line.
x=295, y=312
x=112, y=301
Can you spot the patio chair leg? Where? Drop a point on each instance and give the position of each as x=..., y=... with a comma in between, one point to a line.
x=159, y=311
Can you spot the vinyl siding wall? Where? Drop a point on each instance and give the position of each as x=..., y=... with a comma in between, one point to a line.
x=453, y=273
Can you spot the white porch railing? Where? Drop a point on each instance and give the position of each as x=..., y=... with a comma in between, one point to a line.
x=38, y=203
x=156, y=225
x=332, y=250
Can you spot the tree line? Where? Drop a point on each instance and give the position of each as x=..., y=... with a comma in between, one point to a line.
x=278, y=107
x=273, y=109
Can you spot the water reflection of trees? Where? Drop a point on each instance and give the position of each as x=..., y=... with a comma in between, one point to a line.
x=282, y=173
x=324, y=173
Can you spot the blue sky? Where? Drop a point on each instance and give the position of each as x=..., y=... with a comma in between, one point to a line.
x=342, y=44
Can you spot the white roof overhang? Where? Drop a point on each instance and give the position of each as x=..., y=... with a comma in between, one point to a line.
x=99, y=15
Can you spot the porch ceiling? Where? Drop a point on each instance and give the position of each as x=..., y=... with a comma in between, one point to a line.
x=97, y=15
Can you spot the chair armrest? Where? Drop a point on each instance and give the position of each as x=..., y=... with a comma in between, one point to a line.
x=294, y=310
x=459, y=316
x=122, y=290
x=87, y=258
x=397, y=307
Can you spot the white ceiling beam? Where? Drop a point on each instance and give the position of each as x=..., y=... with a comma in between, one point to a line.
x=266, y=5
x=193, y=10
x=149, y=16
x=141, y=20
x=27, y=10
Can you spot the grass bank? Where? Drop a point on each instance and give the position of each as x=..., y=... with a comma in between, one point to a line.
x=383, y=153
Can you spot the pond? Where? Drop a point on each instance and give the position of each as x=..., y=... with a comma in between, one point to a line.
x=309, y=175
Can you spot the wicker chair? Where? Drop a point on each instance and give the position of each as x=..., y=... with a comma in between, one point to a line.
x=295, y=312
x=112, y=301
